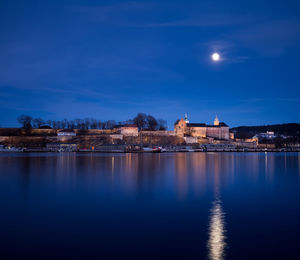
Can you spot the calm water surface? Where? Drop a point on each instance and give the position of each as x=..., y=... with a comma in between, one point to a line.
x=150, y=206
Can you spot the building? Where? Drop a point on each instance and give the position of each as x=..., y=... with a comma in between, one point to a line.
x=127, y=130
x=219, y=130
x=218, y=147
x=116, y=136
x=246, y=143
x=66, y=132
x=267, y=135
x=62, y=147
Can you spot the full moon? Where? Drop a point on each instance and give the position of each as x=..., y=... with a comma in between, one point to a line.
x=215, y=56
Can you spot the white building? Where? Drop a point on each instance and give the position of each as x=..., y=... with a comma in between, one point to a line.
x=267, y=135
x=66, y=132
x=127, y=130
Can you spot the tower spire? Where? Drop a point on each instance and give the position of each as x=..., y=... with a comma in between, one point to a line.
x=216, y=121
x=186, y=118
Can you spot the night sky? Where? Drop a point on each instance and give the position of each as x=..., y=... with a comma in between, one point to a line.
x=113, y=59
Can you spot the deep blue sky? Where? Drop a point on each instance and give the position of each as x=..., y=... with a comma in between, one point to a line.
x=113, y=59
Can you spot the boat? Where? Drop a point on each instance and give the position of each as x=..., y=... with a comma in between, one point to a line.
x=147, y=149
x=11, y=149
x=156, y=149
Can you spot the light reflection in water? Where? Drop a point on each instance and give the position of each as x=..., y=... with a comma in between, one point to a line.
x=216, y=242
x=112, y=168
x=299, y=163
x=142, y=185
x=216, y=231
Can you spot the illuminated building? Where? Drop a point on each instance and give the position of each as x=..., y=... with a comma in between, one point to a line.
x=219, y=130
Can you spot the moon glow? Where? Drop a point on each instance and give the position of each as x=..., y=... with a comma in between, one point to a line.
x=215, y=56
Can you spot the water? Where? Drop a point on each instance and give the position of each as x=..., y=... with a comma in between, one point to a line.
x=150, y=206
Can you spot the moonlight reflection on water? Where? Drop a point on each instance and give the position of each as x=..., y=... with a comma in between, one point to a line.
x=216, y=242
x=145, y=206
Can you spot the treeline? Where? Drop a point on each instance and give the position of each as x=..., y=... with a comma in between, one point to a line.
x=291, y=129
x=143, y=121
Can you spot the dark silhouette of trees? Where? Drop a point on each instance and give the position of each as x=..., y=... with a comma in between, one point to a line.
x=72, y=124
x=86, y=123
x=25, y=121
x=143, y=121
x=94, y=123
x=99, y=124
x=77, y=123
x=151, y=123
x=49, y=123
x=290, y=129
x=140, y=120
x=110, y=124
x=127, y=122
x=37, y=122
x=162, y=124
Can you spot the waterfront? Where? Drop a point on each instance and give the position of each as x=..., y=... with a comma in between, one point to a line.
x=151, y=206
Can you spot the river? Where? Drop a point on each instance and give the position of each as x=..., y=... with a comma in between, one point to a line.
x=150, y=206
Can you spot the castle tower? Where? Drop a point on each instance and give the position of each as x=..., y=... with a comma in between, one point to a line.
x=186, y=118
x=216, y=122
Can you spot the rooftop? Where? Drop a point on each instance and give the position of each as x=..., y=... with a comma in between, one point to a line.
x=128, y=125
x=205, y=125
x=196, y=124
x=66, y=130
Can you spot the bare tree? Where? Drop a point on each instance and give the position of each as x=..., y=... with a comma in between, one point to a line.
x=140, y=120
x=37, y=122
x=49, y=123
x=77, y=123
x=162, y=124
x=54, y=123
x=100, y=125
x=93, y=123
x=63, y=124
x=25, y=121
x=71, y=124
x=128, y=122
x=110, y=124
x=87, y=123
x=57, y=124
x=151, y=123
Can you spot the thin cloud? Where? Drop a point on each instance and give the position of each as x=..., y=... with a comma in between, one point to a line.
x=114, y=14
x=261, y=99
x=208, y=20
x=270, y=38
x=75, y=93
x=227, y=50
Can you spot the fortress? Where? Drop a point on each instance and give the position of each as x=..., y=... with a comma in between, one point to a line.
x=219, y=130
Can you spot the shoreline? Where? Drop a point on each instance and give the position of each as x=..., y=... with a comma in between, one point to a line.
x=169, y=151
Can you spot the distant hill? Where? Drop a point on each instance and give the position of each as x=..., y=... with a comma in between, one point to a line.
x=290, y=129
